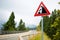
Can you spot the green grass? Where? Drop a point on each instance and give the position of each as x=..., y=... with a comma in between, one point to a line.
x=38, y=37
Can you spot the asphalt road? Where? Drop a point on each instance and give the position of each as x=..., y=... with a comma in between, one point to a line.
x=18, y=36
x=9, y=37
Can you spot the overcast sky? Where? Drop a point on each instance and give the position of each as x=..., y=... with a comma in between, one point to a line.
x=25, y=9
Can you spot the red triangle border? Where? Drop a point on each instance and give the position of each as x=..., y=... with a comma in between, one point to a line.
x=43, y=14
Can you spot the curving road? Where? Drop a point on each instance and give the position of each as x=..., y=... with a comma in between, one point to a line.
x=18, y=36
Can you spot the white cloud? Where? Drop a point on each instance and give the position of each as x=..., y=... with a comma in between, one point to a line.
x=25, y=9
x=4, y=14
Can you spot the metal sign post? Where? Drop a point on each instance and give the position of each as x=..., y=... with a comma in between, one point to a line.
x=42, y=11
x=42, y=29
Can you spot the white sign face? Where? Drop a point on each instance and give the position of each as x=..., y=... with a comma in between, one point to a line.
x=42, y=10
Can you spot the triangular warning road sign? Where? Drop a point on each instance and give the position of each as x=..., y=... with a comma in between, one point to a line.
x=42, y=10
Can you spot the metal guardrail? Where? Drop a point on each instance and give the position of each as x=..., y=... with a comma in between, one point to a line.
x=10, y=32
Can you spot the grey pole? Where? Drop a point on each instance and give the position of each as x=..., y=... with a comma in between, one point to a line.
x=42, y=30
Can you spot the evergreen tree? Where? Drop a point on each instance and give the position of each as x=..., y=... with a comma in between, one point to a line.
x=56, y=25
x=21, y=26
x=10, y=24
x=52, y=25
x=50, y=31
x=48, y=21
x=58, y=2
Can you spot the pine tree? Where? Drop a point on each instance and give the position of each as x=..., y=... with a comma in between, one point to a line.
x=58, y=2
x=10, y=24
x=56, y=25
x=48, y=21
x=21, y=26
